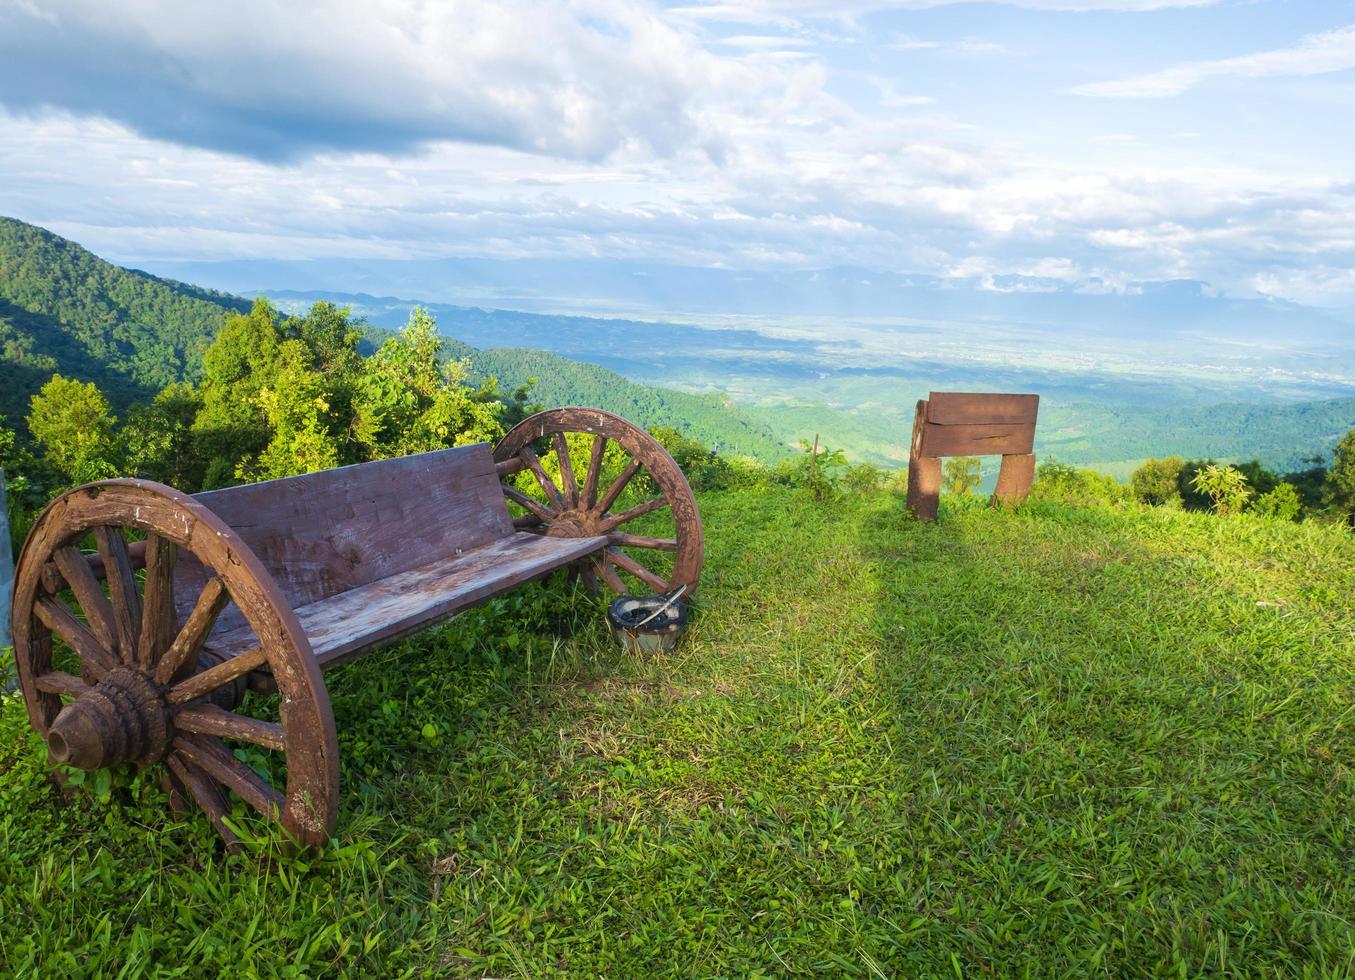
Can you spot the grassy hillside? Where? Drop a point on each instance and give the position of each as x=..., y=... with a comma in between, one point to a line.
x=1056, y=740
x=64, y=309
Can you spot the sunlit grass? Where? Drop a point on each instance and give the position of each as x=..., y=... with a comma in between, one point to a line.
x=1054, y=740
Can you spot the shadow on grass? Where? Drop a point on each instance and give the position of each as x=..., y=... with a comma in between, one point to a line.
x=1090, y=776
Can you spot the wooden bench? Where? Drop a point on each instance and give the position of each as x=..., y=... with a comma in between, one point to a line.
x=262, y=587
x=950, y=423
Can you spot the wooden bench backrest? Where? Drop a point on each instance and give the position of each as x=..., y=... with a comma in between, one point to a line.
x=328, y=532
x=979, y=424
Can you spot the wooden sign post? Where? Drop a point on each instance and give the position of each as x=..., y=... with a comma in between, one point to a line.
x=950, y=423
x=6, y=580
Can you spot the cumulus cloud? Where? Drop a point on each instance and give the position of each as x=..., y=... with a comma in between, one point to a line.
x=790, y=11
x=283, y=79
x=601, y=129
x=1316, y=54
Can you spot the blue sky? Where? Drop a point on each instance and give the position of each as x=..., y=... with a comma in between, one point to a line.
x=1034, y=144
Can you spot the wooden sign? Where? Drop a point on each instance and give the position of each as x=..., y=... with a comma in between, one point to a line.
x=6, y=568
x=950, y=423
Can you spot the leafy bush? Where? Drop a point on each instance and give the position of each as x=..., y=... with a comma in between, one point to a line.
x=961, y=475
x=1283, y=503
x=815, y=469
x=1225, y=486
x=1066, y=484
x=863, y=478
x=1157, y=481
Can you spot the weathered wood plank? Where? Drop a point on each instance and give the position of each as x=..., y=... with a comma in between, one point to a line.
x=323, y=533
x=981, y=408
x=976, y=440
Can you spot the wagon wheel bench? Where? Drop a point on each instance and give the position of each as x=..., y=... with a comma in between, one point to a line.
x=254, y=591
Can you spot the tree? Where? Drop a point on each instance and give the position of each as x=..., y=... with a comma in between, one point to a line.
x=1225, y=486
x=232, y=427
x=1341, y=479
x=1157, y=481
x=406, y=403
x=73, y=423
x=158, y=438
x=961, y=475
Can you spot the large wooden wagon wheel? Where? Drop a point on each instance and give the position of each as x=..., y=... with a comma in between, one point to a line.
x=610, y=486
x=133, y=679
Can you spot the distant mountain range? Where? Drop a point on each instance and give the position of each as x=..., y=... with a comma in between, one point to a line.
x=739, y=385
x=65, y=310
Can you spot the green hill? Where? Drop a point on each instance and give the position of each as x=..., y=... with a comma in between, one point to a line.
x=64, y=309
x=1056, y=741
x=712, y=420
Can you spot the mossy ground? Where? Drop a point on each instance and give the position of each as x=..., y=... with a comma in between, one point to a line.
x=1053, y=741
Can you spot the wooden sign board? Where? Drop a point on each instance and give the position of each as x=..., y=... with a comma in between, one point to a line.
x=952, y=423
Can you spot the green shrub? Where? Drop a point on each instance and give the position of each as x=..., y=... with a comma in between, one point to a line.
x=1061, y=483
x=961, y=475
x=862, y=478
x=1157, y=481
x=1225, y=486
x=1283, y=503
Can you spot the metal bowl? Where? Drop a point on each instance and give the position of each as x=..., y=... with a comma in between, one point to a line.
x=648, y=623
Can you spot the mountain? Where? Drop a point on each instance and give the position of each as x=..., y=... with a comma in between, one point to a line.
x=64, y=309
x=712, y=420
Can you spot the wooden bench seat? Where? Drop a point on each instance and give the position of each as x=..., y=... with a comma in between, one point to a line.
x=343, y=626
x=370, y=553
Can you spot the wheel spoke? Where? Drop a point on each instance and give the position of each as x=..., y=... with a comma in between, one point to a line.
x=157, y=606
x=589, y=576
x=215, y=760
x=628, y=563
x=60, y=682
x=122, y=589
x=537, y=508
x=613, y=580
x=619, y=485
x=542, y=477
x=590, y=481
x=200, y=685
x=649, y=506
x=207, y=795
x=188, y=644
x=56, y=617
x=571, y=485
x=526, y=522
x=623, y=540
x=208, y=719
x=74, y=568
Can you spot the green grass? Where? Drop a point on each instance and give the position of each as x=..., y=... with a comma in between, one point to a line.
x=1054, y=741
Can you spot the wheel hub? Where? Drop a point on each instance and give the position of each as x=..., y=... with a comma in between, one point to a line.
x=123, y=718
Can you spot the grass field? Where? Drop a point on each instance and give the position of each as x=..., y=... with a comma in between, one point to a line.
x=1047, y=742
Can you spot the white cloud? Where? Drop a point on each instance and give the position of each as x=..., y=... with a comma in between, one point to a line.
x=792, y=11
x=1316, y=54
x=280, y=80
